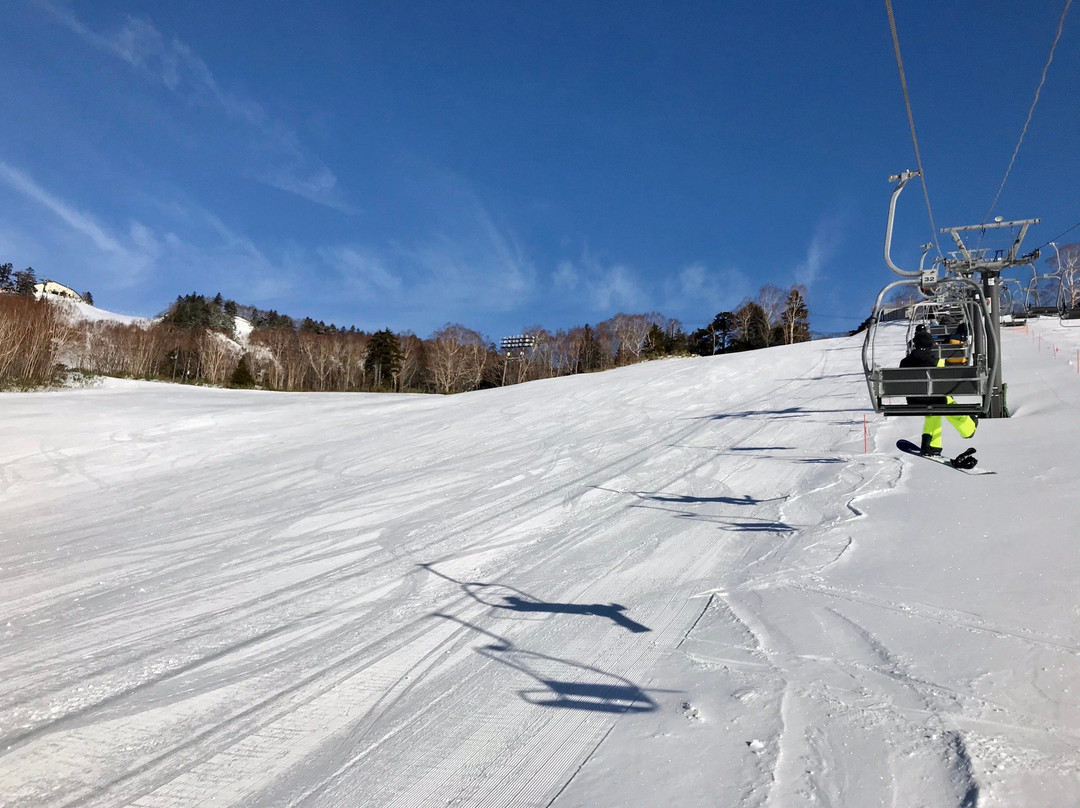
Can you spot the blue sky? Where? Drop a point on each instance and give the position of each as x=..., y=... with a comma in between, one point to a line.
x=505, y=164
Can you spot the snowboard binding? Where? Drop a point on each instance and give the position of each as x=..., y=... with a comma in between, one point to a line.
x=965, y=460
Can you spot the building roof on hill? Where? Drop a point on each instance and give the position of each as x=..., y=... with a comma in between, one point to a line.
x=48, y=287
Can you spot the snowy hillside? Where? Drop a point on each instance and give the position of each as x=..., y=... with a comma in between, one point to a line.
x=84, y=311
x=681, y=583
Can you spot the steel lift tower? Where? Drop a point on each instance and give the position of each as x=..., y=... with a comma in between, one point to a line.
x=987, y=265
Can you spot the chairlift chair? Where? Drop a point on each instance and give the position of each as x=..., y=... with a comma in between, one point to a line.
x=1069, y=299
x=971, y=384
x=1043, y=295
x=936, y=314
x=1013, y=303
x=917, y=391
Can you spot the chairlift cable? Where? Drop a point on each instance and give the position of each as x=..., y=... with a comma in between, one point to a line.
x=1059, y=235
x=911, y=120
x=1031, y=111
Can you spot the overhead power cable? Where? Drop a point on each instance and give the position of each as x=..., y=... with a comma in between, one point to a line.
x=911, y=121
x=1031, y=112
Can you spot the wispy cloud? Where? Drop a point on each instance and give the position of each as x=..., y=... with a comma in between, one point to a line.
x=277, y=157
x=134, y=254
x=362, y=270
x=75, y=242
x=697, y=287
x=79, y=221
x=467, y=260
x=604, y=288
x=465, y=265
x=822, y=248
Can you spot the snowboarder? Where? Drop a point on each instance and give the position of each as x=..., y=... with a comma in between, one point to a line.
x=923, y=354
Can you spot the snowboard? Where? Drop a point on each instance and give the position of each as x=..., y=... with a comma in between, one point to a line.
x=911, y=449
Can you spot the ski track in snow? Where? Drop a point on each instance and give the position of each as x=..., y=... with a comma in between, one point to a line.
x=623, y=589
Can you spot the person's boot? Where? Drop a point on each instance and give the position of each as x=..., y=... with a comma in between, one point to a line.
x=927, y=449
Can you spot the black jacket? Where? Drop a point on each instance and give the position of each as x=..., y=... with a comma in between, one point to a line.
x=923, y=357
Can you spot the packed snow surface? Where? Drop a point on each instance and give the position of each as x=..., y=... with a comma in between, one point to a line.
x=683, y=583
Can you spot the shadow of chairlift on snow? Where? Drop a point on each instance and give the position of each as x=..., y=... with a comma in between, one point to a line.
x=689, y=499
x=789, y=412
x=592, y=689
x=759, y=448
x=598, y=697
x=742, y=524
x=524, y=603
x=686, y=499
x=612, y=611
x=856, y=374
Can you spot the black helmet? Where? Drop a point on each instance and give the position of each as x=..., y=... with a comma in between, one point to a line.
x=923, y=339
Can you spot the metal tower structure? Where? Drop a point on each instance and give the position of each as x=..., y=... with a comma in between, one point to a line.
x=986, y=266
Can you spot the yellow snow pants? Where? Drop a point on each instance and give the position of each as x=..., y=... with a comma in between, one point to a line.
x=963, y=424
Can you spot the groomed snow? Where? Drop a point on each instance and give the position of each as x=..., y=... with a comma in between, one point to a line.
x=682, y=583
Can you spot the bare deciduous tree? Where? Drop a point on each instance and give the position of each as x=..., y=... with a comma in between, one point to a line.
x=456, y=358
x=771, y=299
x=34, y=334
x=218, y=356
x=632, y=331
x=413, y=362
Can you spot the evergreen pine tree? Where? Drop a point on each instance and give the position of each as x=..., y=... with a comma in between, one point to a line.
x=195, y=311
x=384, y=358
x=656, y=343
x=754, y=327
x=588, y=358
x=715, y=338
x=7, y=283
x=242, y=377
x=25, y=282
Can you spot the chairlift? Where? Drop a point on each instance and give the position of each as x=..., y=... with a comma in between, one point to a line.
x=963, y=386
x=1069, y=302
x=1068, y=291
x=1013, y=303
x=969, y=367
x=1043, y=294
x=936, y=314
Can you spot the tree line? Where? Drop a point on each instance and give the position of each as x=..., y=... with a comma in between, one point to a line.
x=24, y=282
x=195, y=341
x=21, y=283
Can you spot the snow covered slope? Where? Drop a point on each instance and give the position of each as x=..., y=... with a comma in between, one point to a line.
x=84, y=311
x=681, y=583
